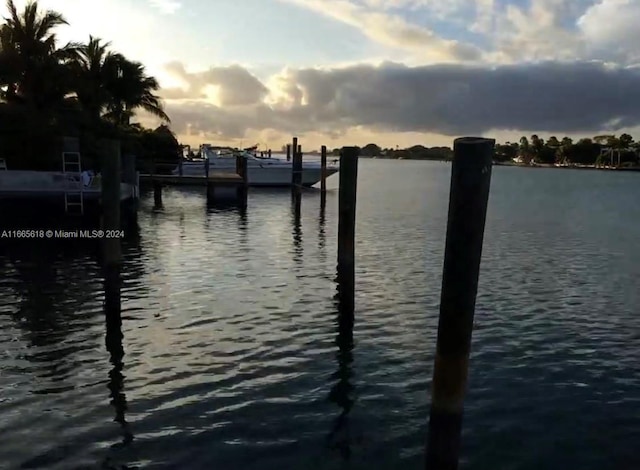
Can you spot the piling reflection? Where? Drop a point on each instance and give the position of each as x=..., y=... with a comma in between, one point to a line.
x=322, y=238
x=342, y=393
x=243, y=225
x=296, y=205
x=113, y=342
x=47, y=283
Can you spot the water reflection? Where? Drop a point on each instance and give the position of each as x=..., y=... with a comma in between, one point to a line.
x=243, y=225
x=52, y=282
x=113, y=342
x=322, y=219
x=296, y=205
x=342, y=393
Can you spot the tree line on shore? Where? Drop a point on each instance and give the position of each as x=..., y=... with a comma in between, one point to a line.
x=534, y=150
x=586, y=151
x=83, y=90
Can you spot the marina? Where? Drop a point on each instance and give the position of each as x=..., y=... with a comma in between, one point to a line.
x=244, y=362
x=405, y=296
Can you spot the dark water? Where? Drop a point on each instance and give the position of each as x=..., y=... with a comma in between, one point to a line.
x=230, y=355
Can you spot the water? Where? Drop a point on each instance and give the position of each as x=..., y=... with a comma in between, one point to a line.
x=233, y=358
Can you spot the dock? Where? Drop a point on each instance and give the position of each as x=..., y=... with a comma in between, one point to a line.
x=219, y=179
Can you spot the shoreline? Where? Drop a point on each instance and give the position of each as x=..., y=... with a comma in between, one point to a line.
x=569, y=167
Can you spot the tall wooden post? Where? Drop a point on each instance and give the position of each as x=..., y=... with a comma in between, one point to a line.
x=157, y=194
x=294, y=147
x=468, y=199
x=110, y=192
x=288, y=152
x=297, y=168
x=346, y=226
x=242, y=170
x=130, y=207
x=323, y=168
x=206, y=166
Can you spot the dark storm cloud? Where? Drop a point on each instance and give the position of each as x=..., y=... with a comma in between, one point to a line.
x=445, y=99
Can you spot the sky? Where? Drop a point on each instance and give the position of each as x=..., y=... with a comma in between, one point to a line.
x=393, y=72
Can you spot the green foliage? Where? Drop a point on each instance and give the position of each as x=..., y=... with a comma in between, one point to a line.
x=83, y=90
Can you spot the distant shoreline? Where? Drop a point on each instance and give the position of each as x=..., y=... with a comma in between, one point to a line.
x=569, y=167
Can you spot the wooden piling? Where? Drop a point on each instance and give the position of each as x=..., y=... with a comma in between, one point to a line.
x=269, y=153
x=110, y=193
x=242, y=169
x=206, y=166
x=468, y=198
x=294, y=147
x=346, y=226
x=297, y=169
x=157, y=194
x=288, y=152
x=323, y=169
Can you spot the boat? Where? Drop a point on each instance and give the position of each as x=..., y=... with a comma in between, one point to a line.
x=262, y=170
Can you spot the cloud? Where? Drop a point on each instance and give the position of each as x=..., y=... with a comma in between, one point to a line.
x=443, y=99
x=611, y=27
x=230, y=86
x=392, y=29
x=167, y=7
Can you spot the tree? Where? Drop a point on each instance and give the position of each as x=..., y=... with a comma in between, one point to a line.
x=32, y=67
x=371, y=150
x=524, y=146
x=553, y=142
x=536, y=145
x=625, y=141
x=91, y=68
x=506, y=152
x=131, y=88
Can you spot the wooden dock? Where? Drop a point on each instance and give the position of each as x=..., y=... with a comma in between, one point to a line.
x=220, y=186
x=218, y=179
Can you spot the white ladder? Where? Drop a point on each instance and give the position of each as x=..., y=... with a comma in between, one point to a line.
x=73, y=194
x=3, y=164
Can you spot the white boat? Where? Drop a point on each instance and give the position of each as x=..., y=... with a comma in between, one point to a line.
x=262, y=171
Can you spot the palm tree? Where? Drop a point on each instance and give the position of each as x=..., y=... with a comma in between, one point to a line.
x=91, y=68
x=32, y=66
x=131, y=88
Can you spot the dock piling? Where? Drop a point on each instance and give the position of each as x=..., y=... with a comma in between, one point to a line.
x=288, y=152
x=157, y=194
x=323, y=169
x=269, y=153
x=242, y=170
x=346, y=226
x=468, y=199
x=111, y=165
x=294, y=147
x=297, y=169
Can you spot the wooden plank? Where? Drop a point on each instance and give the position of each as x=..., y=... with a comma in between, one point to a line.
x=214, y=178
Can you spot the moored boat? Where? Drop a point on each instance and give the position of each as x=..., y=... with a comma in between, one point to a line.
x=262, y=171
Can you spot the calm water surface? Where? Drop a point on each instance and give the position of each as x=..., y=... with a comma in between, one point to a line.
x=230, y=354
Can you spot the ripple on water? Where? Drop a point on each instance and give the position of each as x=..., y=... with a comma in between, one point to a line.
x=231, y=356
